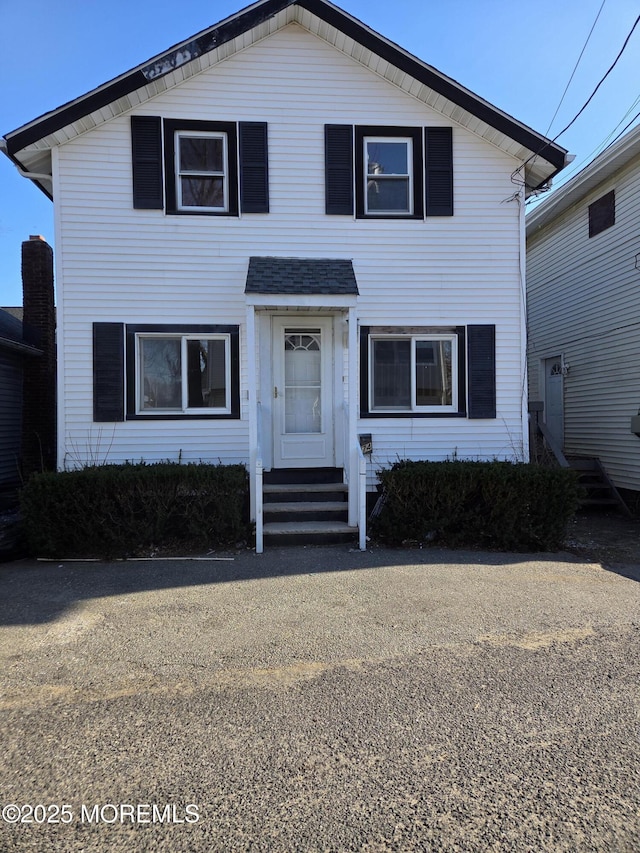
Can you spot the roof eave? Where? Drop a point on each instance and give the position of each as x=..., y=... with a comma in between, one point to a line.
x=250, y=17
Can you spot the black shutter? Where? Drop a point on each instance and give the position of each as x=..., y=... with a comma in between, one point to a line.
x=146, y=150
x=438, y=145
x=481, y=355
x=108, y=372
x=254, y=167
x=338, y=158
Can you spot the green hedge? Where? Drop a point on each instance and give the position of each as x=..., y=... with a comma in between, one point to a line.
x=498, y=505
x=123, y=510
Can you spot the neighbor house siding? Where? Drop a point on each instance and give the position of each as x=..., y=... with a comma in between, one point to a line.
x=141, y=266
x=11, y=367
x=584, y=303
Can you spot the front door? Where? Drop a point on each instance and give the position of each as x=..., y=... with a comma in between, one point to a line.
x=303, y=421
x=554, y=398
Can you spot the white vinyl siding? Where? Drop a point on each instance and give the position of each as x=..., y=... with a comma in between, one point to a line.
x=584, y=303
x=142, y=266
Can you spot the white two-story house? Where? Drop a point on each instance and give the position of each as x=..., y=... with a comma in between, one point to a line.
x=281, y=239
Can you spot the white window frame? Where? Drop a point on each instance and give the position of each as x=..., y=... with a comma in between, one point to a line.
x=409, y=175
x=179, y=174
x=185, y=409
x=428, y=337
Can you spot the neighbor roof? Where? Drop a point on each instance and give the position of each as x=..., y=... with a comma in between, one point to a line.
x=301, y=275
x=29, y=146
x=602, y=167
x=14, y=336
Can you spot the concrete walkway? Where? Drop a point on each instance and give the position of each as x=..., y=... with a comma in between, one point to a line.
x=321, y=699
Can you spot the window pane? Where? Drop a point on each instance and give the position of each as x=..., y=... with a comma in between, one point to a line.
x=433, y=373
x=388, y=158
x=201, y=154
x=161, y=386
x=392, y=374
x=207, y=375
x=202, y=192
x=388, y=194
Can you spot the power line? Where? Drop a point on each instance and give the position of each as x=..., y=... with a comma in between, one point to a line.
x=566, y=88
x=611, y=67
x=515, y=174
x=609, y=140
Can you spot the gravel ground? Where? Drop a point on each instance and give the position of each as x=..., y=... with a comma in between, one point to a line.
x=316, y=699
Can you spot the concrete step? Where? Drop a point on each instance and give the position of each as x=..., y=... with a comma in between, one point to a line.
x=305, y=493
x=308, y=532
x=306, y=511
x=303, y=475
x=287, y=488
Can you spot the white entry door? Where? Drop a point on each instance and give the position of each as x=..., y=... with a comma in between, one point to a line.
x=303, y=421
x=554, y=398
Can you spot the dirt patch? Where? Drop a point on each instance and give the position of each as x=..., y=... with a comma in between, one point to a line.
x=608, y=537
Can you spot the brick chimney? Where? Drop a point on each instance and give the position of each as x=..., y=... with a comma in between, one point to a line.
x=39, y=383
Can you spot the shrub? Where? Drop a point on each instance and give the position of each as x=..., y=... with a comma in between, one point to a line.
x=500, y=505
x=120, y=510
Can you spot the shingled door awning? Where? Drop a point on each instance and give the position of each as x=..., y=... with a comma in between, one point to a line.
x=301, y=276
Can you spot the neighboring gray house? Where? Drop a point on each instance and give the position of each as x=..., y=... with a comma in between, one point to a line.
x=282, y=237
x=583, y=294
x=14, y=353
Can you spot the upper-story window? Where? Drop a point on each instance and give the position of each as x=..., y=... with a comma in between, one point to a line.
x=388, y=175
x=201, y=167
x=202, y=171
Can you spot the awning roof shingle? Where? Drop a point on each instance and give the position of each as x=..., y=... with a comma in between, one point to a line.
x=301, y=275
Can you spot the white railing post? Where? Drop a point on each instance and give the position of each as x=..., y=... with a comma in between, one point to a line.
x=362, y=499
x=258, y=482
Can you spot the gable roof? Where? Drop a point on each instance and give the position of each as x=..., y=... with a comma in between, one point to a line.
x=602, y=167
x=29, y=146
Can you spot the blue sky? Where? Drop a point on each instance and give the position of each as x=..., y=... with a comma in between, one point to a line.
x=517, y=55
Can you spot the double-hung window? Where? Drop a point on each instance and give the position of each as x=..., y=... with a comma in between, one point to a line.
x=183, y=374
x=388, y=175
x=201, y=170
x=389, y=169
x=201, y=167
x=413, y=373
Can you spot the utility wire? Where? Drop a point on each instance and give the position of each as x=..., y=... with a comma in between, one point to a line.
x=515, y=174
x=590, y=98
x=607, y=142
x=566, y=88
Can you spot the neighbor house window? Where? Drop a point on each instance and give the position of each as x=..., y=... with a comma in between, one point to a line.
x=202, y=174
x=413, y=373
x=388, y=175
x=602, y=214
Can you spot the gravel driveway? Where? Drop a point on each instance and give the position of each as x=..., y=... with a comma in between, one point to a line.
x=320, y=699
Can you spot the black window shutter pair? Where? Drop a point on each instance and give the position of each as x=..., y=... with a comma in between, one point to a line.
x=146, y=149
x=338, y=146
